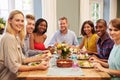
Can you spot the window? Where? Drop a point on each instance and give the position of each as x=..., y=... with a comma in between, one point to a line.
x=7, y=5
x=25, y=5
x=3, y=8
x=96, y=10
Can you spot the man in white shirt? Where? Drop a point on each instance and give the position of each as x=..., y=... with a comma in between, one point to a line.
x=64, y=34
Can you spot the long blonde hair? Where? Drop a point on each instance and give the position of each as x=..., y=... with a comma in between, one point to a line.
x=9, y=28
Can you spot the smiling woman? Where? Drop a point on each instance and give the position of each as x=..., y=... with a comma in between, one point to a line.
x=90, y=37
x=16, y=23
x=12, y=58
x=11, y=42
x=38, y=37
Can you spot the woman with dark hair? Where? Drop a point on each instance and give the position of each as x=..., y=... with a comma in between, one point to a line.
x=89, y=38
x=38, y=37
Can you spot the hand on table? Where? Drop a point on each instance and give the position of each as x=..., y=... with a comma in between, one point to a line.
x=43, y=65
x=94, y=59
x=98, y=67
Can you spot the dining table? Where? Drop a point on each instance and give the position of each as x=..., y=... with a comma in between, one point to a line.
x=56, y=73
x=89, y=74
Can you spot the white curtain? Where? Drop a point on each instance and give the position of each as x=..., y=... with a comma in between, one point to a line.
x=84, y=11
x=49, y=13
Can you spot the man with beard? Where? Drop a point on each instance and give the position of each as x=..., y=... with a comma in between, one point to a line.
x=64, y=34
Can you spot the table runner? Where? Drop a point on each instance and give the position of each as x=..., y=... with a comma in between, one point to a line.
x=56, y=71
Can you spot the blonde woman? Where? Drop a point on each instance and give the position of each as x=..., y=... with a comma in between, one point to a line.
x=11, y=56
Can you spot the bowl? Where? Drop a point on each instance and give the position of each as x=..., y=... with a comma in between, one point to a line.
x=64, y=63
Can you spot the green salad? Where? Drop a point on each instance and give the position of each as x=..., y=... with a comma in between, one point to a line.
x=34, y=63
x=85, y=64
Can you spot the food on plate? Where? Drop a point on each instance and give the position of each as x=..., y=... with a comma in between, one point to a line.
x=74, y=49
x=83, y=56
x=34, y=63
x=44, y=53
x=85, y=64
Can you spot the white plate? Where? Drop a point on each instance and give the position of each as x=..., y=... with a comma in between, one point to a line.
x=85, y=64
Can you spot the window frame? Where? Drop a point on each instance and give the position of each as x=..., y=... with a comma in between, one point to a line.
x=100, y=2
x=11, y=5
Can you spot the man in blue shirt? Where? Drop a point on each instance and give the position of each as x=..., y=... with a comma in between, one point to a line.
x=64, y=34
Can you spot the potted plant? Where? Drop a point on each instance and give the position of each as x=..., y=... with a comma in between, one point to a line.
x=2, y=25
x=64, y=50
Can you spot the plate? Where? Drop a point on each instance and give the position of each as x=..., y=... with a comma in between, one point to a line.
x=85, y=64
x=34, y=63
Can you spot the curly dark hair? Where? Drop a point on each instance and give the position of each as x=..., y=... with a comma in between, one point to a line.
x=37, y=25
x=91, y=24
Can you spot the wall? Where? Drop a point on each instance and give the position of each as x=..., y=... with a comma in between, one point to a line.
x=69, y=9
x=37, y=9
